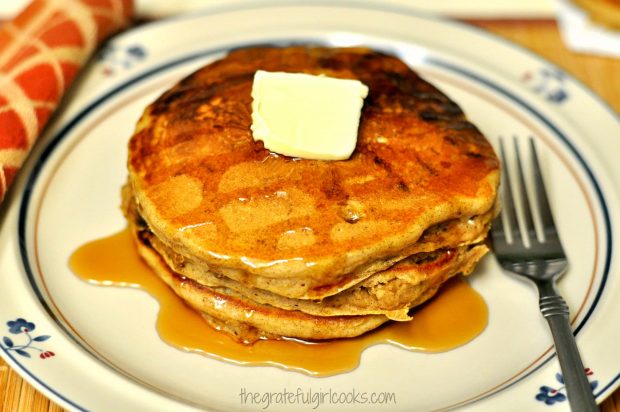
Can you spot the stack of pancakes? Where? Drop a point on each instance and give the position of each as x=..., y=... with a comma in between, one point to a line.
x=265, y=245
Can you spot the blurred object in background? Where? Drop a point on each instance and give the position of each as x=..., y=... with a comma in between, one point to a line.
x=591, y=26
x=603, y=12
x=475, y=9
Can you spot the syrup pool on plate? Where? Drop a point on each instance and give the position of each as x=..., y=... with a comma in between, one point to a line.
x=452, y=318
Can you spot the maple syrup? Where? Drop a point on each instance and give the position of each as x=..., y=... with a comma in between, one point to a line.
x=453, y=317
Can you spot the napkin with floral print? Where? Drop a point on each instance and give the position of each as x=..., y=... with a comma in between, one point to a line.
x=41, y=51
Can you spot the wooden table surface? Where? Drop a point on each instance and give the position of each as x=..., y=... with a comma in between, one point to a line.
x=599, y=73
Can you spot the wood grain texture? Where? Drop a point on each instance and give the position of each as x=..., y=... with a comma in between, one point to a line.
x=601, y=74
x=16, y=395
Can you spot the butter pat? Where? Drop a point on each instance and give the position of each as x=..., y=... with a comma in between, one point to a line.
x=307, y=116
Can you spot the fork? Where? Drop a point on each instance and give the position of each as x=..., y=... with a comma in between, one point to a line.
x=542, y=260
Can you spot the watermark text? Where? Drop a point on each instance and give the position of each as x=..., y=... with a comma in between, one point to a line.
x=315, y=398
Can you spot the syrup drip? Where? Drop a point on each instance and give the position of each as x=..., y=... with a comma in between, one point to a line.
x=453, y=317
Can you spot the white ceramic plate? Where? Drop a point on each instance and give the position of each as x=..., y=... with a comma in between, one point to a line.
x=107, y=354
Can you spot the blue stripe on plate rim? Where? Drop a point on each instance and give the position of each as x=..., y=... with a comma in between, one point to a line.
x=54, y=142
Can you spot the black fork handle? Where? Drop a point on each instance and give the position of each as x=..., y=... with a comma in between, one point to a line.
x=555, y=310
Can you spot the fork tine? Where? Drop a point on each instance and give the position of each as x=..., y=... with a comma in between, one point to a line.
x=546, y=218
x=525, y=200
x=497, y=233
x=508, y=204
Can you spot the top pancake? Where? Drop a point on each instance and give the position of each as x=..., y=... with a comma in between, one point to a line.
x=210, y=192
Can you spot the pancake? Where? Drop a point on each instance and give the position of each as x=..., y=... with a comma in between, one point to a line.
x=604, y=12
x=223, y=202
x=455, y=233
x=391, y=292
x=247, y=320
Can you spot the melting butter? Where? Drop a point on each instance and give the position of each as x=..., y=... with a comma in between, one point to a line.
x=307, y=116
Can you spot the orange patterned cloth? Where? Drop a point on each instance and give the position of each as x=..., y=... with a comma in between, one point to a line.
x=41, y=51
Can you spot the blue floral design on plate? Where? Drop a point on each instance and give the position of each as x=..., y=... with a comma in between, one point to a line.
x=115, y=58
x=21, y=326
x=550, y=395
x=550, y=83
